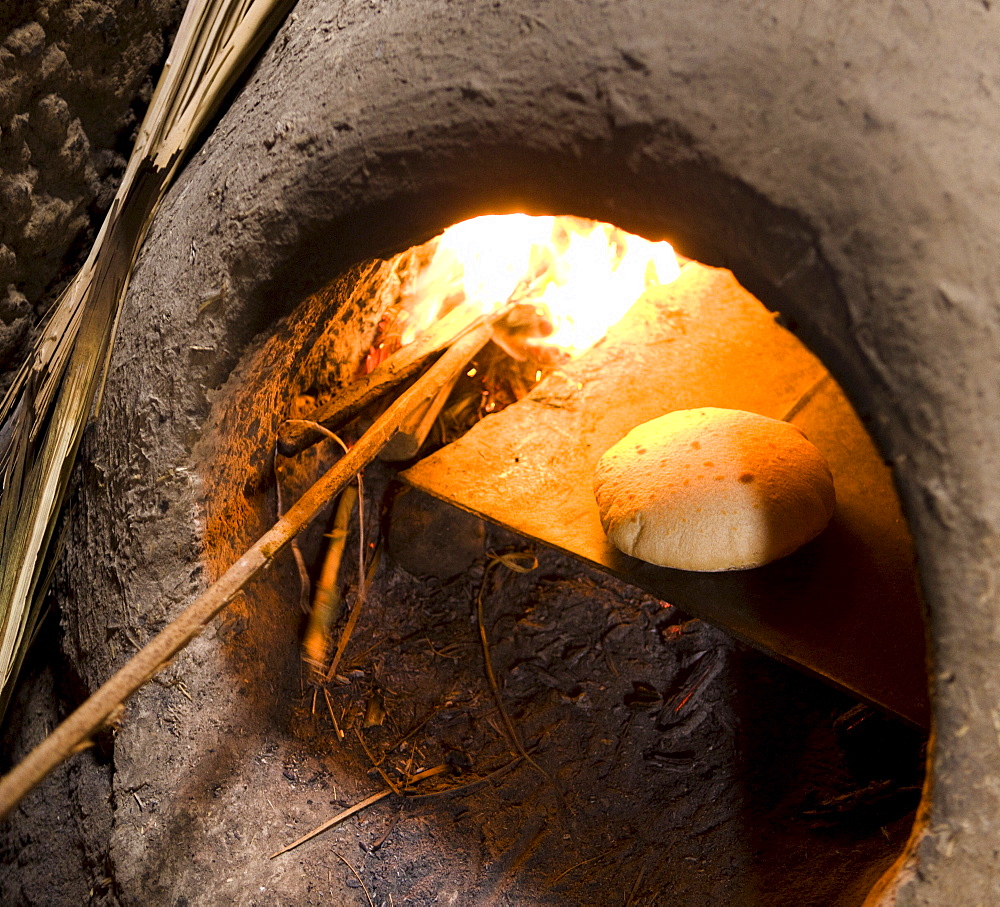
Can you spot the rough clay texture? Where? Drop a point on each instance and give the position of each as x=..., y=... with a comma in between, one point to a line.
x=74, y=80
x=75, y=76
x=841, y=158
x=713, y=489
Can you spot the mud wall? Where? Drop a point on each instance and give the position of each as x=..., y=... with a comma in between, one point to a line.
x=75, y=76
x=840, y=158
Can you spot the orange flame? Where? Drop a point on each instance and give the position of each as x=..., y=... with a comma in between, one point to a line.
x=582, y=275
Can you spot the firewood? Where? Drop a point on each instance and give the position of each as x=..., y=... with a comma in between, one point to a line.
x=296, y=435
x=412, y=434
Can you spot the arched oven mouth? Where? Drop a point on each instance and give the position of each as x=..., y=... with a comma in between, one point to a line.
x=392, y=666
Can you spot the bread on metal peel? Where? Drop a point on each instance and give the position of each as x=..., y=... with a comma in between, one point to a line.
x=713, y=489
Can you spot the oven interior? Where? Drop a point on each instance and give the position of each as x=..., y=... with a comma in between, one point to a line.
x=597, y=724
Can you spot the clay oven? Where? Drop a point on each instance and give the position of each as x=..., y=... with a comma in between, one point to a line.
x=807, y=151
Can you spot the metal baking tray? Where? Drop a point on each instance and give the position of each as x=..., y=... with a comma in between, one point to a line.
x=845, y=607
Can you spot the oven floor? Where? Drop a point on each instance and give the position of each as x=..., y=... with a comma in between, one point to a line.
x=669, y=764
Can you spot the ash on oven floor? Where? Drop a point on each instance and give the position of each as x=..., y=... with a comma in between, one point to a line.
x=656, y=760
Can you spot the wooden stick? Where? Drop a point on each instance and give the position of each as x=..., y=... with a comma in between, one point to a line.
x=361, y=881
x=96, y=712
x=414, y=431
x=352, y=621
x=294, y=437
x=519, y=562
x=300, y=563
x=326, y=602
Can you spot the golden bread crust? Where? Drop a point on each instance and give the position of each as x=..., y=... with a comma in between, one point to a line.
x=713, y=489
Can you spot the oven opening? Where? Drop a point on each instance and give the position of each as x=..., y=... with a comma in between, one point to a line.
x=469, y=639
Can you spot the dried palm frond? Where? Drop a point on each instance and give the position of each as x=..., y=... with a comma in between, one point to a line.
x=58, y=388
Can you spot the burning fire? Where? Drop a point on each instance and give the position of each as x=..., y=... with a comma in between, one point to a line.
x=580, y=276
x=566, y=280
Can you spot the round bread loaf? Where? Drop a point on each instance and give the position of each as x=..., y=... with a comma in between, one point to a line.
x=713, y=489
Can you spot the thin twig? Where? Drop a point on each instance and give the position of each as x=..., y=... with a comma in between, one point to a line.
x=352, y=622
x=363, y=580
x=362, y=585
x=96, y=711
x=344, y=814
x=566, y=872
x=348, y=631
x=377, y=764
x=333, y=718
x=300, y=562
x=496, y=773
x=425, y=774
x=413, y=730
x=352, y=810
x=635, y=886
x=326, y=603
x=381, y=839
x=349, y=866
x=371, y=756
